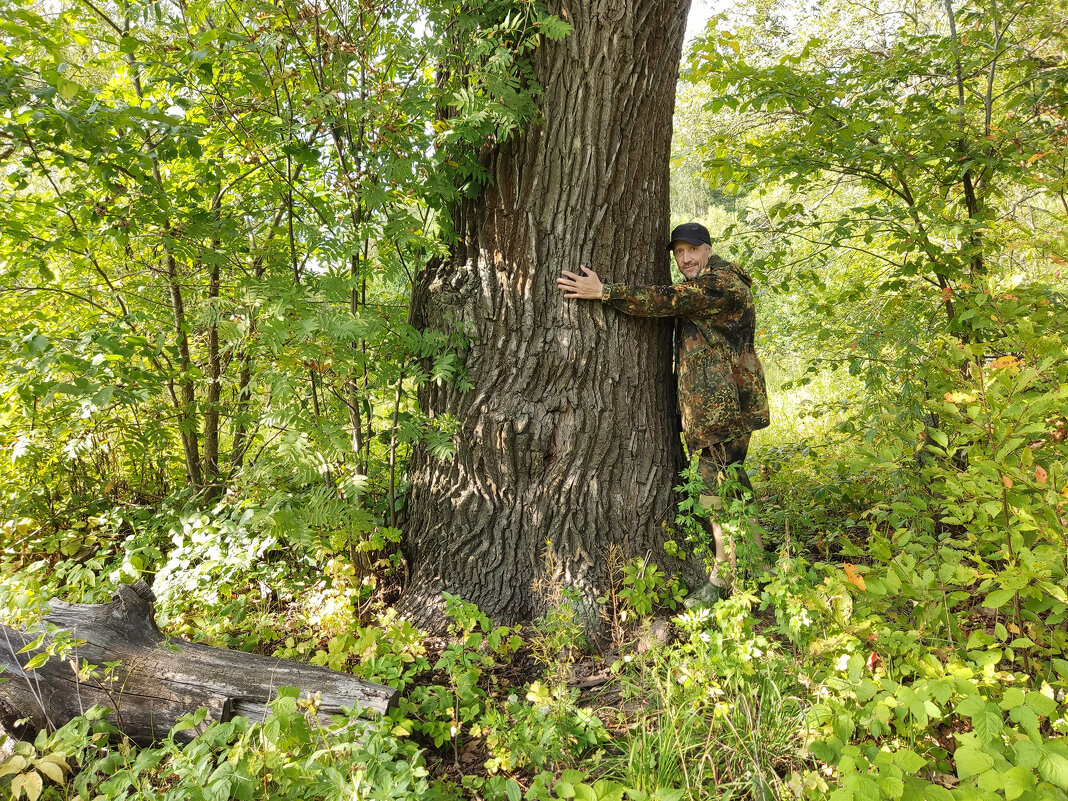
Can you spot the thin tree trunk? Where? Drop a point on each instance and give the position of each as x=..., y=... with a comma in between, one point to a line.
x=393, y=444
x=352, y=384
x=569, y=439
x=244, y=377
x=187, y=415
x=365, y=459
x=971, y=199
x=244, y=398
x=211, y=405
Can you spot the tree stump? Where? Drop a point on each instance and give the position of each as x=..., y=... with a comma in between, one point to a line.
x=158, y=679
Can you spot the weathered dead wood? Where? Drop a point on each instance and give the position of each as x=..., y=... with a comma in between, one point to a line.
x=160, y=679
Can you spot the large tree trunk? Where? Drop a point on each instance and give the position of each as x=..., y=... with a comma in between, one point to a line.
x=569, y=440
x=157, y=680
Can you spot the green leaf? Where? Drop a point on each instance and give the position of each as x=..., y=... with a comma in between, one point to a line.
x=1012, y=698
x=601, y=790
x=1025, y=716
x=1028, y=754
x=36, y=661
x=908, y=760
x=971, y=705
x=867, y=789
x=67, y=89
x=891, y=786
x=513, y=791
x=998, y=598
x=1017, y=782
x=971, y=762
x=1054, y=769
x=939, y=437
x=920, y=790
x=1042, y=704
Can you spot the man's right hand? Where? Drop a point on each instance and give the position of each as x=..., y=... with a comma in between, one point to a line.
x=587, y=287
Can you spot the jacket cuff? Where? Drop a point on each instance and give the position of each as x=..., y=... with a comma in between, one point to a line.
x=610, y=291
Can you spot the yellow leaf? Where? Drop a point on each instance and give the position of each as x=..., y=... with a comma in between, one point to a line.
x=13, y=764
x=51, y=770
x=55, y=758
x=539, y=694
x=1005, y=361
x=959, y=397
x=30, y=783
x=854, y=577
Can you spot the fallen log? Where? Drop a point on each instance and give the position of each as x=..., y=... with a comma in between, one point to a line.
x=159, y=679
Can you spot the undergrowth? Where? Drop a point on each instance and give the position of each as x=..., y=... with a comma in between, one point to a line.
x=907, y=643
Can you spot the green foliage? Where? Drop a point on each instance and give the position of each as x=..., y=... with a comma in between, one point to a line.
x=691, y=520
x=645, y=587
x=546, y=729
x=892, y=192
x=291, y=754
x=213, y=218
x=446, y=713
x=24, y=771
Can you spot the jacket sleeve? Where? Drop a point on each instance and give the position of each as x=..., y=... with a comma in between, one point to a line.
x=714, y=291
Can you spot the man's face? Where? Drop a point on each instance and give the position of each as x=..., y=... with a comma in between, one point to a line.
x=691, y=258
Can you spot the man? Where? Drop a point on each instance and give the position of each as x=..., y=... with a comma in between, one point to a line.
x=722, y=393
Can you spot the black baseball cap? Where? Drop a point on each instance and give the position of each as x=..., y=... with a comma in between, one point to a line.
x=691, y=232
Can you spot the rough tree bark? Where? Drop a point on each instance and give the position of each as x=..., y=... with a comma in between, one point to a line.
x=158, y=679
x=569, y=439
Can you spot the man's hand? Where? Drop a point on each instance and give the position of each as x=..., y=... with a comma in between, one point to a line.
x=587, y=287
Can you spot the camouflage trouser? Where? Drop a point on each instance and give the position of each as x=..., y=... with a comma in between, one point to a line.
x=712, y=464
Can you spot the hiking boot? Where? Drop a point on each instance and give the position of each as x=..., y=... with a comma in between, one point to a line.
x=715, y=589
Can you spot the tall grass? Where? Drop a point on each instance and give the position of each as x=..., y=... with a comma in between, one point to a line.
x=695, y=725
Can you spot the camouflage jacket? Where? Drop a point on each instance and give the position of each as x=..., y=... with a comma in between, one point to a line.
x=721, y=383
